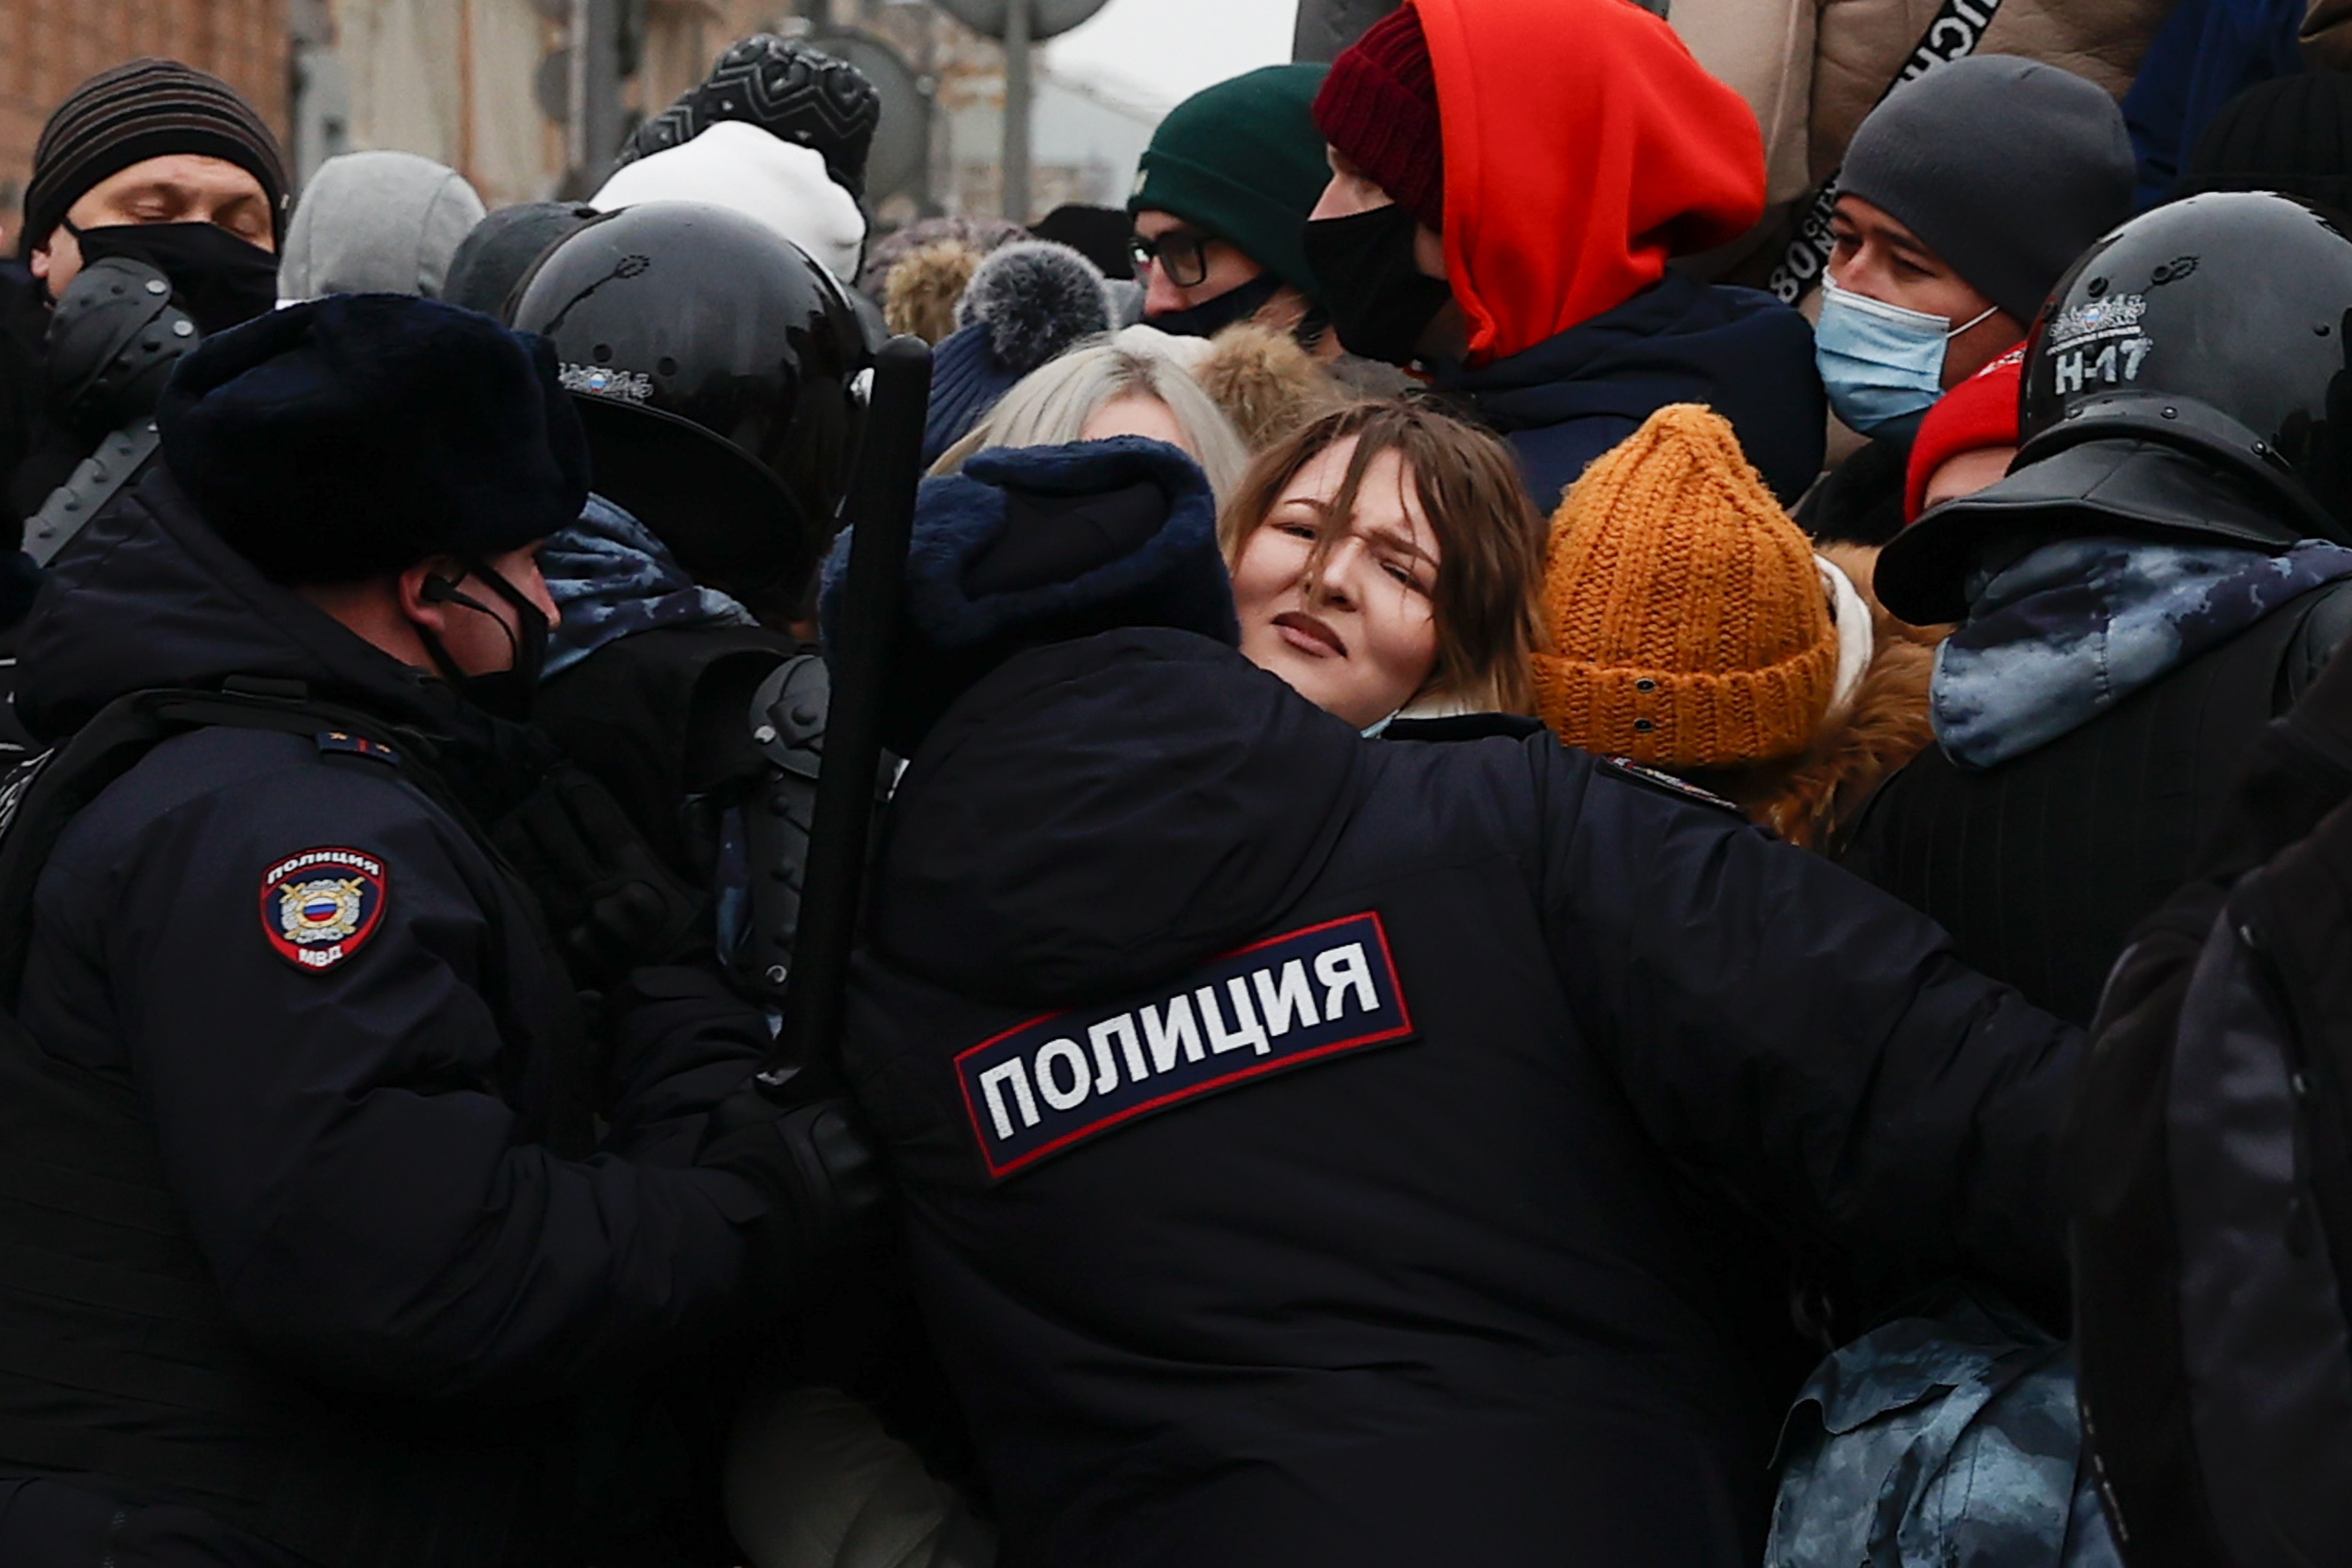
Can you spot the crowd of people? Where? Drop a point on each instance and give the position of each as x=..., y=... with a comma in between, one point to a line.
x=1525, y=905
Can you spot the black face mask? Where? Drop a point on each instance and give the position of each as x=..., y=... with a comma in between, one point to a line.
x=218, y=279
x=1210, y=317
x=502, y=693
x=1381, y=302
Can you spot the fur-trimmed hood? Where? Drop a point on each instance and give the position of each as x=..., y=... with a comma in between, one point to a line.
x=1266, y=384
x=920, y=293
x=1809, y=798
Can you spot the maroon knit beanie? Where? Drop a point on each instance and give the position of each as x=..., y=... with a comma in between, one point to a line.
x=1378, y=108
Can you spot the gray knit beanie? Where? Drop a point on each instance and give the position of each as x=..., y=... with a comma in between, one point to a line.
x=2007, y=168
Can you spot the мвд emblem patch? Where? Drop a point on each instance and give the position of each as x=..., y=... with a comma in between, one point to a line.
x=320, y=907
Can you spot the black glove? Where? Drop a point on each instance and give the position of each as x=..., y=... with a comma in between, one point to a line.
x=828, y=1191
x=609, y=898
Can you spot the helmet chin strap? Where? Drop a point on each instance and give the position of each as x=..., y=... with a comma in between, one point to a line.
x=504, y=693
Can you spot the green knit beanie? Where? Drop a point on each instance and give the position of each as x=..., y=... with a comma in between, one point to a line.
x=1243, y=161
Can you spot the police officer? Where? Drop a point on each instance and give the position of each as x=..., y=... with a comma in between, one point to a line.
x=714, y=368
x=1288, y=1125
x=2163, y=569
x=316, y=1225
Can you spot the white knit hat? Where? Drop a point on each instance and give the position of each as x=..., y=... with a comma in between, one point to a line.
x=780, y=184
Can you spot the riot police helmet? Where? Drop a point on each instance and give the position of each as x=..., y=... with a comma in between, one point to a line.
x=2214, y=329
x=719, y=372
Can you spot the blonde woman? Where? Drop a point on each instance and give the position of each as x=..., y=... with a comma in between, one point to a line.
x=1106, y=389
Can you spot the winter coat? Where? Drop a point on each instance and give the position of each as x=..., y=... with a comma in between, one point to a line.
x=2207, y=1174
x=24, y=329
x=380, y=1148
x=37, y=451
x=1359, y=1243
x=1568, y=399
x=1859, y=502
x=1812, y=69
x=1575, y=332
x=2089, y=714
x=2208, y=52
x=1944, y=1438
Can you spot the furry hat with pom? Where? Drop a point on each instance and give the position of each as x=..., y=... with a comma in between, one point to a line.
x=1031, y=545
x=1026, y=303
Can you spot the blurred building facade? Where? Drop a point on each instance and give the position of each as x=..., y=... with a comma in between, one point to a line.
x=481, y=85
x=49, y=45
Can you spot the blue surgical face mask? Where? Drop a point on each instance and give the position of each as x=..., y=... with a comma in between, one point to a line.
x=1880, y=363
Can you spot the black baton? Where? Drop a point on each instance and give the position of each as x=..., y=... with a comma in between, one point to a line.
x=880, y=511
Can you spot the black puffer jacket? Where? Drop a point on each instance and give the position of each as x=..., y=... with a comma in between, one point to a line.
x=1377, y=1261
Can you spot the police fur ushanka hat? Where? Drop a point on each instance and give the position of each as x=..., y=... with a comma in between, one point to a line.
x=1031, y=545
x=359, y=434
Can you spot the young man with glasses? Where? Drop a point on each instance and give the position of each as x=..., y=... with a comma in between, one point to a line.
x=1221, y=202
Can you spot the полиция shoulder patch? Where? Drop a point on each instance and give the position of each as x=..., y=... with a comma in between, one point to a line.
x=1068, y=1078
x=321, y=906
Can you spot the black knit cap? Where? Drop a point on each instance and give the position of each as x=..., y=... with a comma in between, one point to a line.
x=788, y=89
x=2293, y=135
x=145, y=108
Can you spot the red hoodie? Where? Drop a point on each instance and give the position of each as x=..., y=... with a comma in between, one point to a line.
x=1583, y=146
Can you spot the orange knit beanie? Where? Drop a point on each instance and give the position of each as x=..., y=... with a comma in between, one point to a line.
x=1688, y=624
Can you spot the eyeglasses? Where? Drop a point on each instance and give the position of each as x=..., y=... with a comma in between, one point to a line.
x=1181, y=253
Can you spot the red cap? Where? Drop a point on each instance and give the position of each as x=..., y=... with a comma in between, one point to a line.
x=1378, y=108
x=1980, y=411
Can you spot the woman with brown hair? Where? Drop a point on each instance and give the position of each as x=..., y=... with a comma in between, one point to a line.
x=1385, y=562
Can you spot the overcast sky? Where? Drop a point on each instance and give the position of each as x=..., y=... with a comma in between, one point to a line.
x=1166, y=51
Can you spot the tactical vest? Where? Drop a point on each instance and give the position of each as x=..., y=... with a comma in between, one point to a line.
x=2040, y=867
x=117, y=1360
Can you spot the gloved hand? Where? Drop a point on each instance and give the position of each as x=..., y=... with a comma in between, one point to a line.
x=828, y=1191
x=609, y=898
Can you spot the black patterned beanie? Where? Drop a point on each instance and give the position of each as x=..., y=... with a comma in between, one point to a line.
x=791, y=91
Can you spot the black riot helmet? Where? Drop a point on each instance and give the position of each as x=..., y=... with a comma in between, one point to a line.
x=2213, y=329
x=719, y=373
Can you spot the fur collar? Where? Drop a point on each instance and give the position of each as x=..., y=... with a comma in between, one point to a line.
x=1807, y=799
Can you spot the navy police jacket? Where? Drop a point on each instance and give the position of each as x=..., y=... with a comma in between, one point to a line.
x=1290, y=1124
x=345, y=1024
